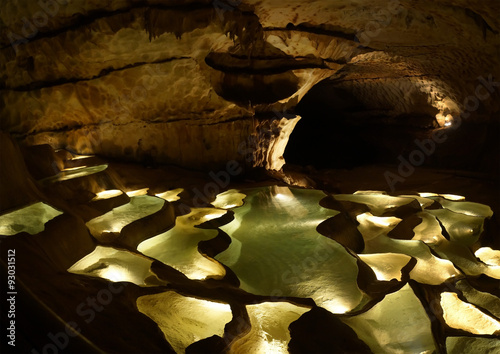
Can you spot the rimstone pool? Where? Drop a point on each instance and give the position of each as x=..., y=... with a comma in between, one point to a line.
x=243, y=272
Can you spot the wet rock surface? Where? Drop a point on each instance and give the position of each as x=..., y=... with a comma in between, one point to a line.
x=214, y=262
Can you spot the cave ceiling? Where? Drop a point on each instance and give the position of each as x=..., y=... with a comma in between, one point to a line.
x=188, y=82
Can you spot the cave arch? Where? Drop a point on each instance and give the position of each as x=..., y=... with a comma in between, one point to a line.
x=340, y=129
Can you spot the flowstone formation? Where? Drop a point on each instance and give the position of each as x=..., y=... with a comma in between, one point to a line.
x=263, y=269
x=275, y=250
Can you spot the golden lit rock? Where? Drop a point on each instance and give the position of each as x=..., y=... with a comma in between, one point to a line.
x=446, y=196
x=397, y=324
x=387, y=266
x=429, y=230
x=178, y=247
x=373, y=226
x=117, y=266
x=75, y=172
x=467, y=317
x=229, y=199
x=30, y=219
x=116, y=219
x=170, y=196
x=378, y=203
x=458, y=205
x=488, y=256
x=276, y=251
x=185, y=320
x=111, y=193
x=480, y=298
x=460, y=345
x=138, y=192
x=463, y=229
x=429, y=268
x=269, y=332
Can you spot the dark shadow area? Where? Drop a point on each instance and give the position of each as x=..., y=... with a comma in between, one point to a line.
x=339, y=131
x=324, y=137
x=335, y=143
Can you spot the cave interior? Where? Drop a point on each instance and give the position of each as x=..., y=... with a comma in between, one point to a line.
x=243, y=176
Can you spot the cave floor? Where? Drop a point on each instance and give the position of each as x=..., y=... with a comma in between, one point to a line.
x=478, y=187
x=144, y=251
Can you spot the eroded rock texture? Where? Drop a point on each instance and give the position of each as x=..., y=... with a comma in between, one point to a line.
x=193, y=82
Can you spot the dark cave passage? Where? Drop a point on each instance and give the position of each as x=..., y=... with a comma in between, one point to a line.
x=339, y=131
x=335, y=144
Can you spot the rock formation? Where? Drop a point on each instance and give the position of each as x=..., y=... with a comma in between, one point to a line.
x=145, y=203
x=191, y=82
